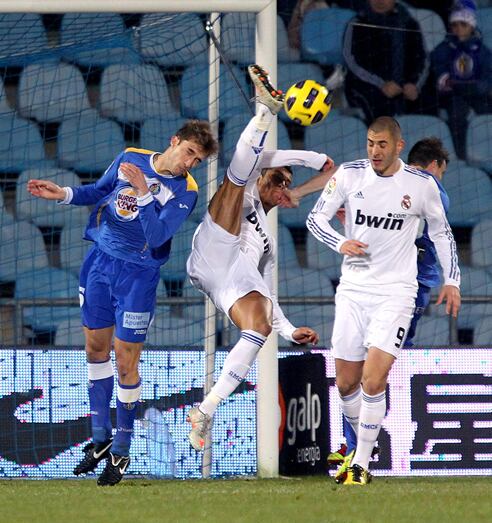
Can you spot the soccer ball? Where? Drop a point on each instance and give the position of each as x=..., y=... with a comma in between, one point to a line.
x=307, y=102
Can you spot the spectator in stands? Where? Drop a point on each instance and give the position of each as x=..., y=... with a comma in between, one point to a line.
x=386, y=61
x=462, y=66
x=300, y=10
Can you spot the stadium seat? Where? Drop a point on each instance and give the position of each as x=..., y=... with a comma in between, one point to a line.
x=318, y=317
x=285, y=53
x=51, y=92
x=320, y=256
x=195, y=311
x=88, y=143
x=70, y=333
x=234, y=126
x=237, y=37
x=484, y=17
x=96, y=40
x=46, y=213
x=5, y=108
x=46, y=283
x=73, y=247
x=156, y=133
x=23, y=40
x=482, y=333
x=478, y=140
x=431, y=25
x=475, y=281
x=200, y=175
x=481, y=245
x=175, y=268
x=470, y=193
x=133, y=93
x=194, y=92
x=22, y=249
x=286, y=249
x=416, y=126
x=173, y=39
x=5, y=216
x=432, y=331
x=300, y=282
x=322, y=33
x=172, y=331
x=290, y=74
x=343, y=138
x=22, y=145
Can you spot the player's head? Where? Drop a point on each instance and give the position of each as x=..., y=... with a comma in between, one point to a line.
x=384, y=145
x=191, y=144
x=430, y=155
x=272, y=184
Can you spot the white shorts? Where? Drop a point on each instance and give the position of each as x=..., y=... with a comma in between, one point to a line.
x=218, y=268
x=366, y=320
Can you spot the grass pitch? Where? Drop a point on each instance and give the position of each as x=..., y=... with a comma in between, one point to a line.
x=312, y=499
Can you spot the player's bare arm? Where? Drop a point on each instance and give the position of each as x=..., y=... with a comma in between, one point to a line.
x=46, y=189
x=135, y=177
x=451, y=295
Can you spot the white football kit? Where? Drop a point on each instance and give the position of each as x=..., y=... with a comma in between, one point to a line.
x=227, y=267
x=375, y=297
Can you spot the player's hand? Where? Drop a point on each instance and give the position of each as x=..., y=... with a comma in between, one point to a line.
x=135, y=177
x=340, y=214
x=444, y=83
x=410, y=92
x=391, y=89
x=353, y=248
x=305, y=335
x=328, y=165
x=290, y=198
x=451, y=295
x=46, y=189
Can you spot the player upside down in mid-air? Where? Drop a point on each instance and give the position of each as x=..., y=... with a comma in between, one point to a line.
x=233, y=253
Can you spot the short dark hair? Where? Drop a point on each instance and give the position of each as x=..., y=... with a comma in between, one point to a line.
x=426, y=151
x=200, y=132
x=386, y=123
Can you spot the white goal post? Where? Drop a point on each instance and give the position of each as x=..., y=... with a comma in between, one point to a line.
x=268, y=414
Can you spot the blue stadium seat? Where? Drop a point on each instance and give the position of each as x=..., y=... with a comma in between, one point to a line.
x=156, y=133
x=475, y=281
x=484, y=17
x=431, y=25
x=432, y=331
x=478, y=140
x=171, y=331
x=23, y=39
x=73, y=247
x=175, y=268
x=286, y=249
x=285, y=53
x=290, y=74
x=96, y=40
x=22, y=249
x=482, y=333
x=194, y=92
x=70, y=333
x=416, y=126
x=470, y=194
x=234, y=126
x=322, y=33
x=194, y=311
x=89, y=143
x=45, y=213
x=5, y=216
x=343, y=138
x=171, y=39
x=481, y=245
x=51, y=92
x=237, y=37
x=135, y=93
x=5, y=108
x=200, y=176
x=318, y=317
x=320, y=256
x=47, y=282
x=301, y=281
x=22, y=145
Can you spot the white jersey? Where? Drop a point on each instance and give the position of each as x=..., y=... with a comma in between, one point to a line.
x=384, y=212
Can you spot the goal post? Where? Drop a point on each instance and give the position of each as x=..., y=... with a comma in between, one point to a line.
x=266, y=55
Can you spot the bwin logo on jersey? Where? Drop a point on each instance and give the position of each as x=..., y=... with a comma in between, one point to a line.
x=383, y=222
x=253, y=218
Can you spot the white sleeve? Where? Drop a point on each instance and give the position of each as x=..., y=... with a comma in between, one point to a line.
x=280, y=323
x=293, y=157
x=318, y=220
x=441, y=234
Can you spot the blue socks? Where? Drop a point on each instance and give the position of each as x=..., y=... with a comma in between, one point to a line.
x=100, y=388
x=126, y=411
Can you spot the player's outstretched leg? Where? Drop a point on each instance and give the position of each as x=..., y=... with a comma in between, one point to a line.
x=266, y=93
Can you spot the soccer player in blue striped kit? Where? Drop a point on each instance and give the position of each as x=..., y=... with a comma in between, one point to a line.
x=140, y=202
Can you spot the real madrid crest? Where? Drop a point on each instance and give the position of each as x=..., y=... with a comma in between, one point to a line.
x=406, y=202
x=331, y=185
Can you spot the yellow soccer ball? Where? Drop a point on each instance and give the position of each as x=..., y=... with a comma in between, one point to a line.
x=307, y=102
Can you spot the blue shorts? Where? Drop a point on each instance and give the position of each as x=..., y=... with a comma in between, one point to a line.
x=421, y=302
x=117, y=292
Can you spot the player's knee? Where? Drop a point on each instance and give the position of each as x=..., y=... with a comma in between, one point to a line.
x=373, y=385
x=347, y=386
x=96, y=352
x=127, y=370
x=263, y=327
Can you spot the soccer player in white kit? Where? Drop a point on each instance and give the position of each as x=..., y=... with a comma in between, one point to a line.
x=384, y=200
x=233, y=253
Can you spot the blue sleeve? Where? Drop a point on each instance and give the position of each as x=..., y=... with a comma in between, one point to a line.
x=160, y=224
x=92, y=193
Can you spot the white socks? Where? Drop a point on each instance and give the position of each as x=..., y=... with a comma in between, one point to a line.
x=372, y=412
x=351, y=408
x=236, y=367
